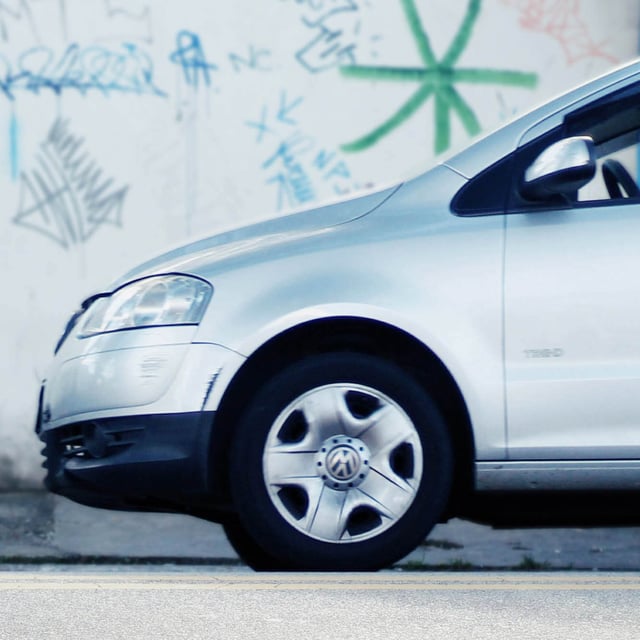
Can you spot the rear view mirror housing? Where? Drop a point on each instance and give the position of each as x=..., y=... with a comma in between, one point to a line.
x=560, y=170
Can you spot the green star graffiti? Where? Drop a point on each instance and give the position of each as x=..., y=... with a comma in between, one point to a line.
x=438, y=79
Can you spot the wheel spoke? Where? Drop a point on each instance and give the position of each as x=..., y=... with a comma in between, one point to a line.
x=387, y=495
x=284, y=467
x=327, y=516
x=388, y=428
x=326, y=414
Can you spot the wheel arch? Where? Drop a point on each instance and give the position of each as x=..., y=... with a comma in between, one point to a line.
x=360, y=335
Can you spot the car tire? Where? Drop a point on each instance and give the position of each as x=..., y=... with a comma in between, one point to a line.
x=249, y=551
x=341, y=462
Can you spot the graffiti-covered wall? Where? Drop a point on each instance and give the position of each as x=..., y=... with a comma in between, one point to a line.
x=127, y=126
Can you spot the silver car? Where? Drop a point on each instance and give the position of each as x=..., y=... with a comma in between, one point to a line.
x=331, y=384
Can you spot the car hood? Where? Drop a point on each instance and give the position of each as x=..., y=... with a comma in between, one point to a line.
x=236, y=241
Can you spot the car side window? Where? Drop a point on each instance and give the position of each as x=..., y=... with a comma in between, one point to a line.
x=617, y=172
x=487, y=193
x=610, y=129
x=614, y=126
x=495, y=190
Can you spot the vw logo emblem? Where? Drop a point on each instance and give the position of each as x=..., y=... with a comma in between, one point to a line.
x=343, y=463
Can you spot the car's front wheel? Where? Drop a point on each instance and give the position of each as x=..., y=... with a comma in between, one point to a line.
x=341, y=462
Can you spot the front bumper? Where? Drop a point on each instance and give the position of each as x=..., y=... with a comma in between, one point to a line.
x=127, y=420
x=155, y=371
x=152, y=462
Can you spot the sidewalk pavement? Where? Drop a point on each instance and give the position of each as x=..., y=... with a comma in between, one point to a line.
x=40, y=528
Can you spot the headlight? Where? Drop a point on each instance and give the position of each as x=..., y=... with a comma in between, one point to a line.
x=150, y=302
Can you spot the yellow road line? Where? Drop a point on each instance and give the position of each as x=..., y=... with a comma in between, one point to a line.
x=36, y=582
x=304, y=587
x=319, y=578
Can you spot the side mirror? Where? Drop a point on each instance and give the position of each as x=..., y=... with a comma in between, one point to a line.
x=560, y=170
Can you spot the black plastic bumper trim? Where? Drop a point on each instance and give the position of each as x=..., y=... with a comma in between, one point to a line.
x=150, y=462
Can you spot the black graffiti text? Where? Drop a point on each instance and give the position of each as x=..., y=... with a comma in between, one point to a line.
x=67, y=196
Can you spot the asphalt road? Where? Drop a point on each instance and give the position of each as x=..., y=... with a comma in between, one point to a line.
x=128, y=604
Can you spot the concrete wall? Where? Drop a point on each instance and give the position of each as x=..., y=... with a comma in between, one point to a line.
x=131, y=125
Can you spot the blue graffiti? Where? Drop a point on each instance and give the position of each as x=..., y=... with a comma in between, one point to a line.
x=285, y=109
x=294, y=183
x=190, y=55
x=326, y=51
x=330, y=165
x=296, y=165
x=283, y=116
x=335, y=30
x=262, y=125
x=13, y=146
x=127, y=69
x=251, y=61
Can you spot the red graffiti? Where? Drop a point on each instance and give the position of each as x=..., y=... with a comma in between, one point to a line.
x=563, y=21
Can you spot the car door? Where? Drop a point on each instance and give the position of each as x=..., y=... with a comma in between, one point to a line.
x=572, y=306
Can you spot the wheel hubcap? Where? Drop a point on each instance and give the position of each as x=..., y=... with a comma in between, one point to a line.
x=342, y=463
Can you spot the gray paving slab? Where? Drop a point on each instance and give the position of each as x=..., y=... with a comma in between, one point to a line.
x=461, y=544
x=87, y=531
x=26, y=523
x=38, y=527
